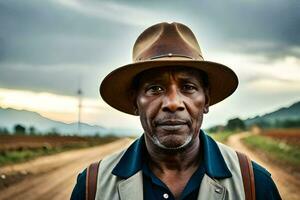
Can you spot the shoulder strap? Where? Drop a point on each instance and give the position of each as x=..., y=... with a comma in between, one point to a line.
x=248, y=176
x=91, y=181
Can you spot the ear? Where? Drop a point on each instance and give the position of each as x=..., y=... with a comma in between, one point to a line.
x=207, y=101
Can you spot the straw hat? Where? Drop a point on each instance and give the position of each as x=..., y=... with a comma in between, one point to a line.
x=163, y=45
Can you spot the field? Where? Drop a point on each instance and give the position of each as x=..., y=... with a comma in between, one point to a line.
x=281, y=146
x=289, y=136
x=221, y=136
x=19, y=148
x=54, y=176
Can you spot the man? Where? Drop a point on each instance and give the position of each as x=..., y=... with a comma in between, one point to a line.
x=171, y=87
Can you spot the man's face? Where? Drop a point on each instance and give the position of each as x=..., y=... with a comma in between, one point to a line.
x=171, y=104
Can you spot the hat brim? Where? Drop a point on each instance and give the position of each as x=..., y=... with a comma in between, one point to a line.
x=115, y=89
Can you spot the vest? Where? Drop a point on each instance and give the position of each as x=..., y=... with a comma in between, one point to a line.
x=111, y=187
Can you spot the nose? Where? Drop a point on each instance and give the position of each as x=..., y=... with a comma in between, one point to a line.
x=172, y=101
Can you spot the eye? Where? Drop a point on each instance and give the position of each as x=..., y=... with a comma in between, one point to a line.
x=154, y=89
x=189, y=88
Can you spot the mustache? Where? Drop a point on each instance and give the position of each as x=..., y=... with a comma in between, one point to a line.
x=174, y=120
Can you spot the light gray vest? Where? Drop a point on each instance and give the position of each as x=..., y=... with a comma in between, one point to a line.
x=111, y=187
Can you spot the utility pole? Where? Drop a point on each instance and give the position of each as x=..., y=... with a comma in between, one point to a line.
x=79, y=93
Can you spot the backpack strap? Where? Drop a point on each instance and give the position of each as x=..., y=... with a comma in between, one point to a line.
x=91, y=181
x=247, y=175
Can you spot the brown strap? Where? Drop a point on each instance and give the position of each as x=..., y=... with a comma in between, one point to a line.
x=91, y=181
x=248, y=176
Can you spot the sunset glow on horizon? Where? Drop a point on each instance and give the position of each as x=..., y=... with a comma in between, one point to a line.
x=53, y=106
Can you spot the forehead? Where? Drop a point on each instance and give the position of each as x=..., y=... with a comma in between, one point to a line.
x=162, y=74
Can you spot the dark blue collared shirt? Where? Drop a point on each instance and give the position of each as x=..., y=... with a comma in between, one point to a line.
x=154, y=188
x=212, y=164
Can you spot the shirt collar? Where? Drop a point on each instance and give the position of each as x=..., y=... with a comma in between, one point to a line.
x=131, y=161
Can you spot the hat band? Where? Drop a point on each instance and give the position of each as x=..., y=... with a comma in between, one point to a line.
x=170, y=55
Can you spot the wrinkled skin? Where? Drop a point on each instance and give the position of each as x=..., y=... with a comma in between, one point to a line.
x=171, y=103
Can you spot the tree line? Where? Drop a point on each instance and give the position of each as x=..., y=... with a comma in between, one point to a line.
x=19, y=129
x=236, y=124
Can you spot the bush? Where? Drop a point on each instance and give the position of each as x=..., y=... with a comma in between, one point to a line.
x=19, y=129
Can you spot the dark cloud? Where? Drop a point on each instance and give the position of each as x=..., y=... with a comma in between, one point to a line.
x=265, y=27
x=269, y=27
x=48, y=33
x=59, y=80
x=36, y=32
x=270, y=19
x=45, y=45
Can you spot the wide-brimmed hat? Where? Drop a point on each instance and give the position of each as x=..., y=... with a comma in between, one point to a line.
x=164, y=45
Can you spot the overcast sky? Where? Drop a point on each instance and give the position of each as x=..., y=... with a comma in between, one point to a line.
x=51, y=47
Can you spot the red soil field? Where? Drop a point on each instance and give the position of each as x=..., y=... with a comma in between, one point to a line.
x=291, y=136
x=18, y=142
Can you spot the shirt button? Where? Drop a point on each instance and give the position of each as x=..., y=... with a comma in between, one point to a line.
x=166, y=195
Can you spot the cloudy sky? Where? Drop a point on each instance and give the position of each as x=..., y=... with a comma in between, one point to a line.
x=50, y=48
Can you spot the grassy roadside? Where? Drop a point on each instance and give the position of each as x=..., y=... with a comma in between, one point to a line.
x=221, y=136
x=17, y=156
x=276, y=150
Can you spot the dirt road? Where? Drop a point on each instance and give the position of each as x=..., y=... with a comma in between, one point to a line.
x=53, y=177
x=287, y=183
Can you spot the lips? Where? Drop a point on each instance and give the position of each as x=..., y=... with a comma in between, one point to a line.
x=171, y=125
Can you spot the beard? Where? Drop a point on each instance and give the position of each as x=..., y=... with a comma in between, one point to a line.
x=171, y=147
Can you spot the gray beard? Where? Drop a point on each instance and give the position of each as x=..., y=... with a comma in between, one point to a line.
x=181, y=147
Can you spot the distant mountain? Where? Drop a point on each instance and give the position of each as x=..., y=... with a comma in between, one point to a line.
x=10, y=117
x=287, y=113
